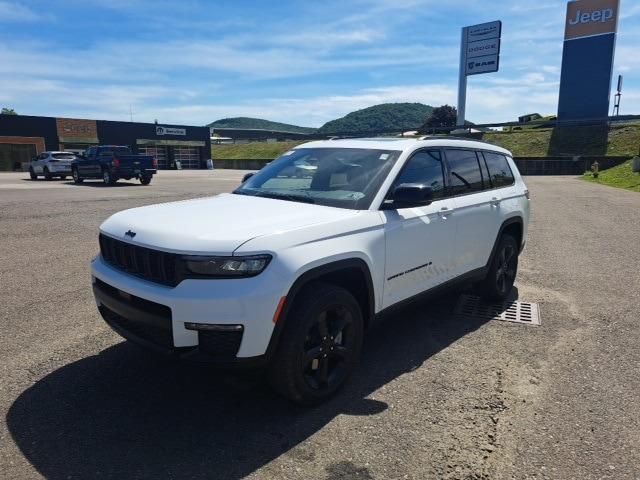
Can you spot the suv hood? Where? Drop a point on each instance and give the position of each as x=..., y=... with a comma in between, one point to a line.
x=215, y=225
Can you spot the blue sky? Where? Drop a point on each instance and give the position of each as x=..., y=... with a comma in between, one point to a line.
x=192, y=62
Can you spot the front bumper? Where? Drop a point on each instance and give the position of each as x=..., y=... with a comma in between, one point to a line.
x=155, y=315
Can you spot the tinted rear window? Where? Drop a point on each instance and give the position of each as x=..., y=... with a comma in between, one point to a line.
x=465, y=171
x=499, y=170
x=63, y=156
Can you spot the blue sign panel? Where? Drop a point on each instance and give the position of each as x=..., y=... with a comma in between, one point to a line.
x=585, y=84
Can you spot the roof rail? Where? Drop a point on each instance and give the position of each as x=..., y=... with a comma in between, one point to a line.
x=446, y=137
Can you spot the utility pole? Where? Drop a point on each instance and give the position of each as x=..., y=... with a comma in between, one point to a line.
x=462, y=79
x=617, y=97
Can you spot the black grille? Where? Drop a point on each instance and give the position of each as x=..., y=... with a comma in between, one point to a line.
x=152, y=265
x=221, y=345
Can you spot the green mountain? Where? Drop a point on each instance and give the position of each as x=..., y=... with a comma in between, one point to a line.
x=386, y=117
x=246, y=122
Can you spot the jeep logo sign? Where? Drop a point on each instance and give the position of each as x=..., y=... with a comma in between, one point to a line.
x=587, y=18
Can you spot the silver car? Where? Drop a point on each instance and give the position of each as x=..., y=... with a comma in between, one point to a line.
x=51, y=164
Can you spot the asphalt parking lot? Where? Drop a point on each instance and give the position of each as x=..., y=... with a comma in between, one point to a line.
x=434, y=396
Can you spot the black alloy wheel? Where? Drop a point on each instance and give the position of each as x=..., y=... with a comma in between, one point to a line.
x=498, y=283
x=47, y=174
x=328, y=348
x=506, y=272
x=319, y=345
x=32, y=174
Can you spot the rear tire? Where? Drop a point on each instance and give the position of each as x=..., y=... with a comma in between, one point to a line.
x=76, y=176
x=63, y=177
x=47, y=174
x=107, y=178
x=32, y=174
x=146, y=179
x=319, y=346
x=502, y=272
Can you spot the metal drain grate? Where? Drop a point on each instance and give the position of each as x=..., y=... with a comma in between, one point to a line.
x=473, y=307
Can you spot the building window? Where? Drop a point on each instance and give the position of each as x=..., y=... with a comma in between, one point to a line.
x=15, y=156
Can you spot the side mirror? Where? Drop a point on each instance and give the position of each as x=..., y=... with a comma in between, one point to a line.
x=248, y=176
x=412, y=195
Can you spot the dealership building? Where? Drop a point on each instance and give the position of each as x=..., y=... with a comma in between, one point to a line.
x=23, y=137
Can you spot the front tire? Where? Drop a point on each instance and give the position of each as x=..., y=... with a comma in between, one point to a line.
x=32, y=174
x=47, y=174
x=319, y=346
x=502, y=273
x=76, y=176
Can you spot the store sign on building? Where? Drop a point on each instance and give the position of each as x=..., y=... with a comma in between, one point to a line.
x=71, y=127
x=160, y=130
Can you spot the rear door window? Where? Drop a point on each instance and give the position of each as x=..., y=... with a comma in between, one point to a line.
x=64, y=156
x=464, y=171
x=499, y=170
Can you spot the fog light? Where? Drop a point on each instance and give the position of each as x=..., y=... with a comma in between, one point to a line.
x=214, y=328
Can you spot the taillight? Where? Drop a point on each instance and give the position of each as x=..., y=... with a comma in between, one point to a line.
x=116, y=162
x=154, y=162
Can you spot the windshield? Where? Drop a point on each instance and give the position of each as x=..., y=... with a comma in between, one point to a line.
x=335, y=177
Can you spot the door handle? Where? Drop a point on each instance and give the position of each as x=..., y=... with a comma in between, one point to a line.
x=445, y=211
x=495, y=201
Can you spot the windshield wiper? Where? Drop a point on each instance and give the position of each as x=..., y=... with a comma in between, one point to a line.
x=286, y=196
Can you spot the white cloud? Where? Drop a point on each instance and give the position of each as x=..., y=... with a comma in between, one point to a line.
x=16, y=12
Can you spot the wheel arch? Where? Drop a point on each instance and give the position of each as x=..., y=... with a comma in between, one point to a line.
x=513, y=226
x=353, y=274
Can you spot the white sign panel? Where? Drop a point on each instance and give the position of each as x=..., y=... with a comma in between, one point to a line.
x=486, y=64
x=484, y=31
x=160, y=130
x=483, y=48
x=479, y=53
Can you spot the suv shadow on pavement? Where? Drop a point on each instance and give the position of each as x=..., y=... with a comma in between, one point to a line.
x=124, y=413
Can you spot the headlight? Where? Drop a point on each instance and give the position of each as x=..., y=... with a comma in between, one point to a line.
x=219, y=267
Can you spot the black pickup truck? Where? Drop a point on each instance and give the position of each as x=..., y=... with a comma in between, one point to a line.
x=111, y=163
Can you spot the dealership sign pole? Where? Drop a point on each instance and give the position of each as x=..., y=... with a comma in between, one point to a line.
x=479, y=53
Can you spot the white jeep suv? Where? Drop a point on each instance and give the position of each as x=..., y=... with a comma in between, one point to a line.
x=289, y=270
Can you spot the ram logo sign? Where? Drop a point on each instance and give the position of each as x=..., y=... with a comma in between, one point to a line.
x=483, y=65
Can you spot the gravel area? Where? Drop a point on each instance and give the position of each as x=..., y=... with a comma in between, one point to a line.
x=434, y=396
